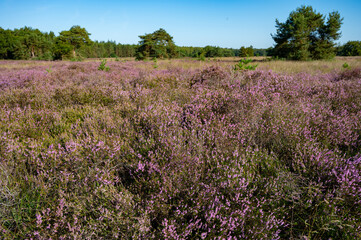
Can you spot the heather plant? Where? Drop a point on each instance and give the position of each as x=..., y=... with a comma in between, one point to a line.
x=210, y=75
x=178, y=152
x=349, y=74
x=76, y=67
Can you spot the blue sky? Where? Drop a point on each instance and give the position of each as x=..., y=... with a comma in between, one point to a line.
x=225, y=23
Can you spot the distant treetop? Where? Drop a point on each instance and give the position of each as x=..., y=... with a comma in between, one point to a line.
x=158, y=44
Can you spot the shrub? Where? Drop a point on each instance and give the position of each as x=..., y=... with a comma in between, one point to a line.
x=346, y=66
x=102, y=66
x=243, y=64
x=140, y=155
x=76, y=67
x=155, y=63
x=209, y=75
x=349, y=74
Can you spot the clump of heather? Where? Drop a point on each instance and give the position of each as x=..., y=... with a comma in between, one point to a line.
x=209, y=75
x=174, y=152
x=349, y=74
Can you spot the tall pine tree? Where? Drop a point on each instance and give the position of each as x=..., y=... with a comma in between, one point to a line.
x=307, y=34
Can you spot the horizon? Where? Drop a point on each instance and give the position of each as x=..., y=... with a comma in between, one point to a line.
x=226, y=24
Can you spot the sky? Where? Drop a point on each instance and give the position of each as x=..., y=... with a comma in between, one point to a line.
x=198, y=23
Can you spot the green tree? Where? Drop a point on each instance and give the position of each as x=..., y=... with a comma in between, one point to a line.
x=25, y=43
x=35, y=43
x=246, y=51
x=260, y=52
x=305, y=35
x=30, y=39
x=62, y=50
x=227, y=52
x=7, y=40
x=158, y=44
x=210, y=51
x=72, y=39
x=351, y=48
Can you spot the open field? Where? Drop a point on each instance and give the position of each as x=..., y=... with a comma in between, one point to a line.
x=180, y=149
x=264, y=63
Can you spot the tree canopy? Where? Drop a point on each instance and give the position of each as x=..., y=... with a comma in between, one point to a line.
x=29, y=43
x=351, y=48
x=158, y=44
x=74, y=38
x=307, y=34
x=246, y=51
x=25, y=43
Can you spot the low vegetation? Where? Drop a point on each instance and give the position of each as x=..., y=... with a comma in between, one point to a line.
x=185, y=150
x=202, y=148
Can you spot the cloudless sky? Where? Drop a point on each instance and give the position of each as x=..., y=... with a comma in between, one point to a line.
x=224, y=23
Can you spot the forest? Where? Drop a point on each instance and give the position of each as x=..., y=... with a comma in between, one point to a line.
x=29, y=43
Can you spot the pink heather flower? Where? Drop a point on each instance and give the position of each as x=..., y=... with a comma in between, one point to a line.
x=38, y=219
x=140, y=166
x=203, y=235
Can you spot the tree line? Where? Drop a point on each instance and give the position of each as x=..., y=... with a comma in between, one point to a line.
x=305, y=35
x=28, y=43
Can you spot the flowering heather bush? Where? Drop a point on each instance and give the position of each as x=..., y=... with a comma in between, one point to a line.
x=136, y=153
x=349, y=74
x=209, y=75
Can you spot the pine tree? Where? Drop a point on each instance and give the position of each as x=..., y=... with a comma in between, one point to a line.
x=74, y=39
x=158, y=44
x=305, y=35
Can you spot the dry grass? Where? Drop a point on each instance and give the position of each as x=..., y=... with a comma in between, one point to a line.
x=312, y=67
x=20, y=64
x=264, y=63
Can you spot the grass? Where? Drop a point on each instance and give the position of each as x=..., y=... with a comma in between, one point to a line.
x=187, y=150
x=280, y=66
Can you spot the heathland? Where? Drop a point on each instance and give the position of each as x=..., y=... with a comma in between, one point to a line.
x=180, y=149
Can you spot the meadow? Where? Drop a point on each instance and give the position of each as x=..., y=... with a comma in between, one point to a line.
x=180, y=149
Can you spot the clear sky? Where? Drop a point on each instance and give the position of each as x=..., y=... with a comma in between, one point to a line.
x=224, y=23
